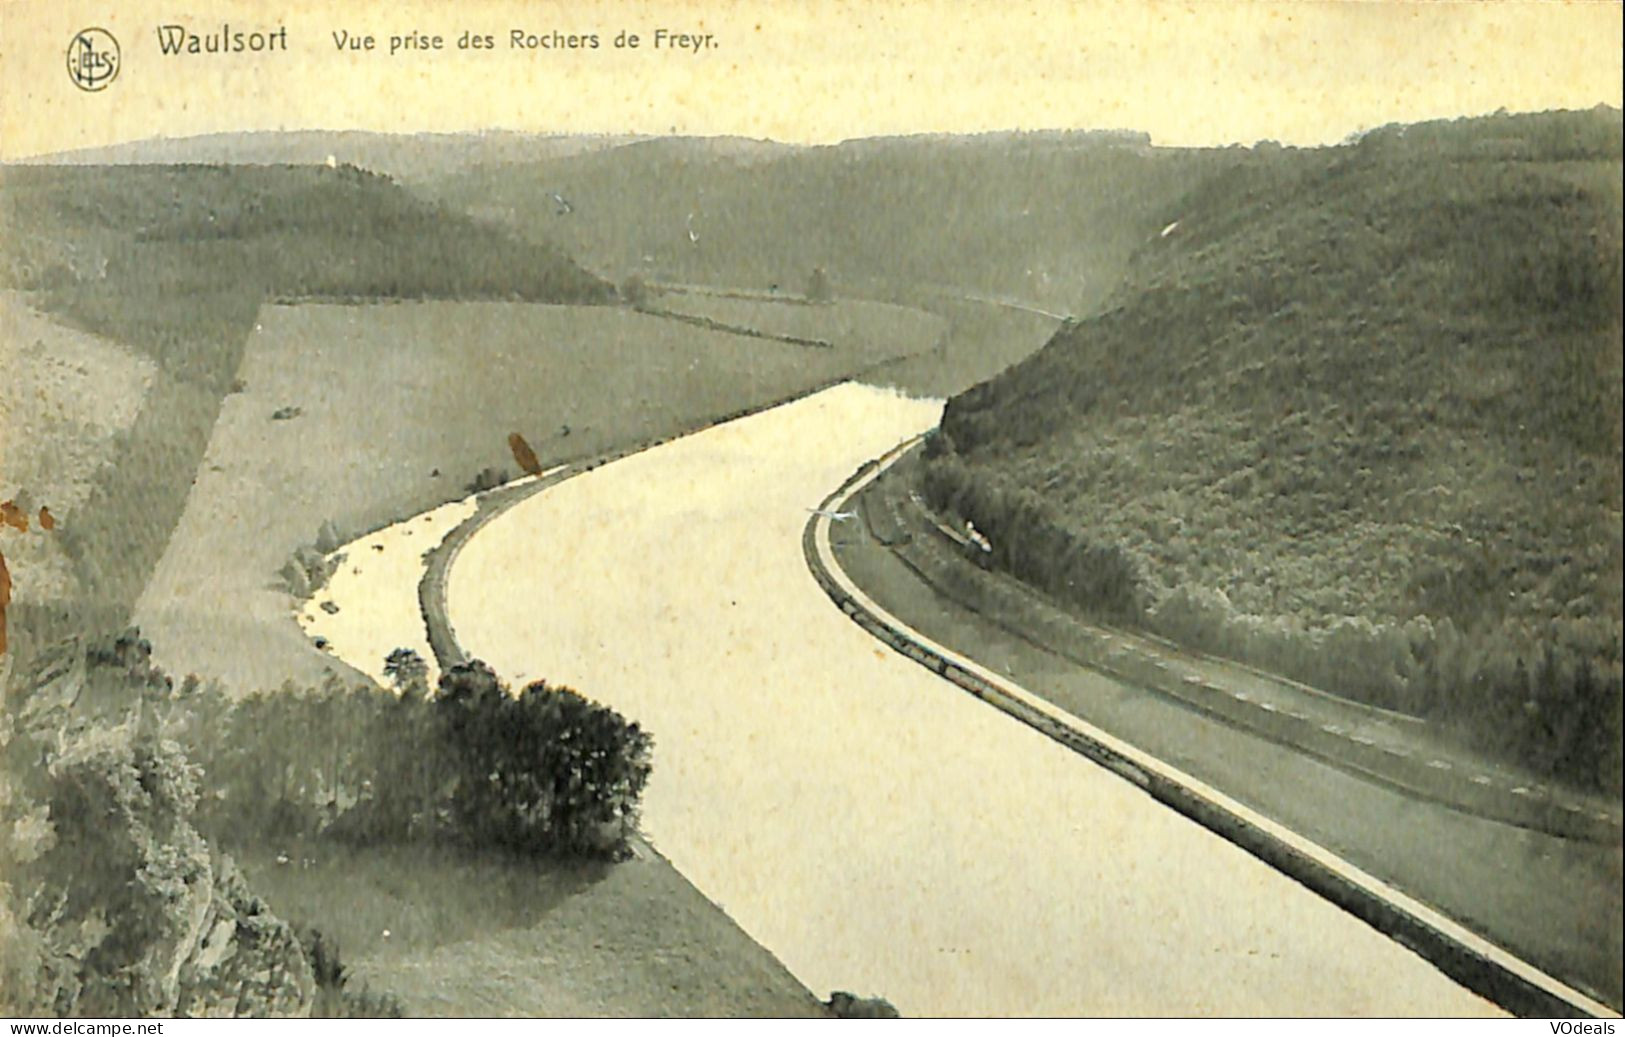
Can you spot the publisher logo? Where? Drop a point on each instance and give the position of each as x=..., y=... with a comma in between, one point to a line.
x=93, y=59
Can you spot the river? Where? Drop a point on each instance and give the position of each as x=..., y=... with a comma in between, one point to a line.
x=875, y=827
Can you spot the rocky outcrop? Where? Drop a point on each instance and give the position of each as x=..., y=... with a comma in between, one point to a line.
x=116, y=905
x=843, y=1005
x=241, y=961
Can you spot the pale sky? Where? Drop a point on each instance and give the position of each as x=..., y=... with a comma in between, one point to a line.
x=1211, y=72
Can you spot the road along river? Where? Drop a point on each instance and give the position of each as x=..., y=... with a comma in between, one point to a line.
x=872, y=825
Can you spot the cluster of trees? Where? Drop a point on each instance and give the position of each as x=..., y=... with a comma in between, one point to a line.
x=470, y=762
x=310, y=566
x=1028, y=540
x=541, y=771
x=1549, y=695
x=1545, y=694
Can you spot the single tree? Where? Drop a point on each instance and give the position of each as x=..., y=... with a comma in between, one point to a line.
x=407, y=672
x=818, y=287
x=634, y=290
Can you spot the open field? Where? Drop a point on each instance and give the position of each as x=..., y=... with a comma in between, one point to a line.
x=399, y=407
x=172, y=263
x=459, y=935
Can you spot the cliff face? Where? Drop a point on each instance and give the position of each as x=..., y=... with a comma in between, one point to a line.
x=241, y=961
x=117, y=906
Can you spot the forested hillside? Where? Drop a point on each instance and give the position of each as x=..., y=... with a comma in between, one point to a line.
x=1354, y=415
x=1046, y=219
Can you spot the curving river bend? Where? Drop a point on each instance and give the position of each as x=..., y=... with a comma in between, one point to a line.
x=874, y=826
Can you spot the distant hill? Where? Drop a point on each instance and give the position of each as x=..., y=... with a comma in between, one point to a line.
x=1045, y=218
x=1367, y=397
x=406, y=157
x=1039, y=217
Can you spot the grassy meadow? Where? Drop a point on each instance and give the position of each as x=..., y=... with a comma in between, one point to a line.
x=453, y=934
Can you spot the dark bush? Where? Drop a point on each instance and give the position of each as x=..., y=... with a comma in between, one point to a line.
x=335, y=998
x=843, y=1005
x=407, y=672
x=634, y=291
x=488, y=479
x=547, y=771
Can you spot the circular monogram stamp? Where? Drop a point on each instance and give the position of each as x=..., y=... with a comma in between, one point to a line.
x=93, y=59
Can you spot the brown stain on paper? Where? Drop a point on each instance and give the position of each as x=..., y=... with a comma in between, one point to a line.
x=523, y=455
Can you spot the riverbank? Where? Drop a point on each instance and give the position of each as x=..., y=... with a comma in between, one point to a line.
x=635, y=939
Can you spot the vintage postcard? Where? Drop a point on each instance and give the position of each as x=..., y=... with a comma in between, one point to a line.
x=845, y=508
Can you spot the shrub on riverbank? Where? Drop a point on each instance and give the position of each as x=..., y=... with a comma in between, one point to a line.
x=543, y=771
x=843, y=1005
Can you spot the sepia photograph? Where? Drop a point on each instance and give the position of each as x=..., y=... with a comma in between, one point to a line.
x=657, y=509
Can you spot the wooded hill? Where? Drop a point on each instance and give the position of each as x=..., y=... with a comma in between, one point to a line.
x=1042, y=218
x=1356, y=416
